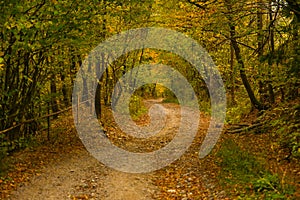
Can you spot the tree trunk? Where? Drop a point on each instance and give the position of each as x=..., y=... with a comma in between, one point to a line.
x=243, y=75
x=98, y=101
x=272, y=50
x=260, y=42
x=65, y=91
x=232, y=75
x=53, y=89
x=240, y=61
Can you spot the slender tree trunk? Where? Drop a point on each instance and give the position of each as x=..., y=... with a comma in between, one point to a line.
x=294, y=70
x=53, y=89
x=239, y=58
x=64, y=90
x=98, y=97
x=100, y=90
x=98, y=101
x=244, y=78
x=260, y=42
x=232, y=75
x=272, y=50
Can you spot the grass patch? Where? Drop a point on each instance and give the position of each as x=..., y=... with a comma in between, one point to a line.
x=237, y=165
x=170, y=100
x=244, y=177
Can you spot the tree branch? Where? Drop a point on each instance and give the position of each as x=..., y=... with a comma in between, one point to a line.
x=197, y=5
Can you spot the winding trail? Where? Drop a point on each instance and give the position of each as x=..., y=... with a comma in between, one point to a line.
x=78, y=175
x=81, y=176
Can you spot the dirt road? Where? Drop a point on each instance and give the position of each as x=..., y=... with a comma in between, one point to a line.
x=78, y=175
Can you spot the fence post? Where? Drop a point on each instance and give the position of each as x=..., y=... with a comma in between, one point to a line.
x=77, y=113
x=91, y=104
x=48, y=122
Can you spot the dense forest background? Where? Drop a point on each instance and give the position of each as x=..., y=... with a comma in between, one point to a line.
x=254, y=44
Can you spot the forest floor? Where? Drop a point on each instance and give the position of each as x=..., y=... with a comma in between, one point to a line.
x=63, y=169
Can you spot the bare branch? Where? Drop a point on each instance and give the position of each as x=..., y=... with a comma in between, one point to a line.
x=196, y=4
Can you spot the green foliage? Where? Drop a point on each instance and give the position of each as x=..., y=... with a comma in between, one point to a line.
x=204, y=106
x=136, y=107
x=271, y=185
x=43, y=44
x=241, y=166
x=33, y=34
x=235, y=113
x=170, y=99
x=285, y=126
x=6, y=147
x=243, y=170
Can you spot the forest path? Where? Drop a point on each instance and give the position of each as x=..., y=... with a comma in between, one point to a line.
x=80, y=176
x=72, y=173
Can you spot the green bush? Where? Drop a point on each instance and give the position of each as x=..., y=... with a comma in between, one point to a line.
x=136, y=107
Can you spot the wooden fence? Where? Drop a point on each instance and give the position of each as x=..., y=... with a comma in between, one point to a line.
x=45, y=119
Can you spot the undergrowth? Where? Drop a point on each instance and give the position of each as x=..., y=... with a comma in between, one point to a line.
x=8, y=148
x=284, y=124
x=204, y=106
x=249, y=177
x=170, y=99
x=137, y=107
x=235, y=112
